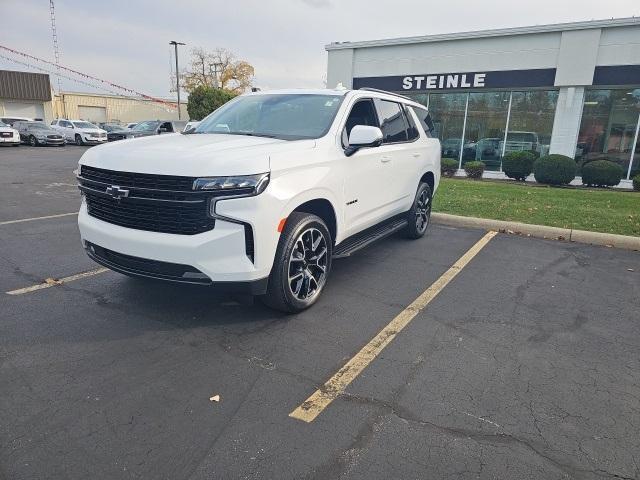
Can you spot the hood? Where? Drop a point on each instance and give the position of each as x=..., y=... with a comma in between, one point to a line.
x=44, y=131
x=191, y=155
x=91, y=130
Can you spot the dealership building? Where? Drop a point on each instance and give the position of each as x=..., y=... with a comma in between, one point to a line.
x=28, y=94
x=571, y=89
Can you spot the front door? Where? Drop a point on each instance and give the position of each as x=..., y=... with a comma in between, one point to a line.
x=366, y=174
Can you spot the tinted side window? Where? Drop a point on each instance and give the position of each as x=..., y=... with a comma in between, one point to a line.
x=392, y=122
x=425, y=120
x=412, y=131
x=362, y=113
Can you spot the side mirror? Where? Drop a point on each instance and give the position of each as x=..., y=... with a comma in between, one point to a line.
x=163, y=130
x=363, y=136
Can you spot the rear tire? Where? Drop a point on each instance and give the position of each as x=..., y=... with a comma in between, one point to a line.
x=302, y=264
x=33, y=141
x=419, y=216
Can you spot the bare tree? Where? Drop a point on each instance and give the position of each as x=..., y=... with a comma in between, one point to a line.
x=219, y=69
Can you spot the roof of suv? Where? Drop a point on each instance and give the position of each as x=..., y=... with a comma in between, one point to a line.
x=340, y=92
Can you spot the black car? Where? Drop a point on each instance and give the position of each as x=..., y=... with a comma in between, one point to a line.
x=38, y=133
x=115, y=132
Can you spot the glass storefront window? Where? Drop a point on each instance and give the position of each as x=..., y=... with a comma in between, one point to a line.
x=608, y=128
x=484, y=132
x=531, y=121
x=447, y=111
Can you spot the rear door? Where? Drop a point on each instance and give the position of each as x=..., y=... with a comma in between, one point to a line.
x=399, y=154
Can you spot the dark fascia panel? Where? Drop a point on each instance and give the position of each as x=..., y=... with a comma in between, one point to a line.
x=24, y=86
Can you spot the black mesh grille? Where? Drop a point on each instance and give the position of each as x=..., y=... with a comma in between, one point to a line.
x=141, y=180
x=155, y=203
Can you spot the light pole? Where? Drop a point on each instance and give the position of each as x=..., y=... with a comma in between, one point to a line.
x=175, y=46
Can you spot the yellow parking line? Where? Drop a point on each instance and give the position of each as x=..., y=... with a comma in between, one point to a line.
x=51, y=282
x=8, y=222
x=336, y=385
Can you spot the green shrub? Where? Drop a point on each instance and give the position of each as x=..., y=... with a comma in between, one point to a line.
x=518, y=165
x=448, y=167
x=474, y=169
x=554, y=169
x=636, y=183
x=203, y=100
x=601, y=173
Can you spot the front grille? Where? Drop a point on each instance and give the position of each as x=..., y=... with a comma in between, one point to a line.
x=155, y=203
x=6, y=134
x=54, y=137
x=146, y=267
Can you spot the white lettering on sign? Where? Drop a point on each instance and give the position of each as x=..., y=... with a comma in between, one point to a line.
x=478, y=79
x=445, y=81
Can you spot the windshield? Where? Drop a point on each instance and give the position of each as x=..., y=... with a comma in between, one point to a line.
x=113, y=128
x=3, y=124
x=145, y=126
x=284, y=116
x=83, y=125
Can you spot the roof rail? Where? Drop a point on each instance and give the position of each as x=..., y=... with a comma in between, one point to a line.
x=369, y=89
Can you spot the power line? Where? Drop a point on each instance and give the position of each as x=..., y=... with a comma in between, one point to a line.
x=91, y=77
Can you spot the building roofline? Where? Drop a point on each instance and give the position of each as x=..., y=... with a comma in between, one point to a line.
x=501, y=32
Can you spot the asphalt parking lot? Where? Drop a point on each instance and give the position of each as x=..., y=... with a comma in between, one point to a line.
x=525, y=365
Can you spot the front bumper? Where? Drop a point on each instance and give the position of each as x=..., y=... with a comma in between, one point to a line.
x=219, y=254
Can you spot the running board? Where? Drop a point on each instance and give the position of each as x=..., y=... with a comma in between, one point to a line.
x=367, y=237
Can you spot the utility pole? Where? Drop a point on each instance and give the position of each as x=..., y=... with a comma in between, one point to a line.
x=175, y=46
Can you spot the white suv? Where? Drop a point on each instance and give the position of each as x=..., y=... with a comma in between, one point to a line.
x=80, y=132
x=264, y=193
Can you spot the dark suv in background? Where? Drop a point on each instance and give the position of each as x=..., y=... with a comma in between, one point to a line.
x=156, y=127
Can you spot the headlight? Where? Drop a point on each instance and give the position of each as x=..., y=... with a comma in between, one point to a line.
x=246, y=185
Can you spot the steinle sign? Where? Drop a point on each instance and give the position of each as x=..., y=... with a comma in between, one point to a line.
x=447, y=81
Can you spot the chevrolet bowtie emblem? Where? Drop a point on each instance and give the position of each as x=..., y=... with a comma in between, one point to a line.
x=117, y=192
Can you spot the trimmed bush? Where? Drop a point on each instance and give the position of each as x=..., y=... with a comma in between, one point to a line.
x=636, y=183
x=601, y=173
x=448, y=167
x=474, y=169
x=518, y=165
x=554, y=169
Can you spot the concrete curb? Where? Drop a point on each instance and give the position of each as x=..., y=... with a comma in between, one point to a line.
x=539, y=231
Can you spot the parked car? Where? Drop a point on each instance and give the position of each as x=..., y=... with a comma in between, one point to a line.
x=115, y=132
x=156, y=127
x=521, y=142
x=38, y=133
x=11, y=120
x=80, y=132
x=190, y=126
x=263, y=202
x=9, y=135
x=451, y=148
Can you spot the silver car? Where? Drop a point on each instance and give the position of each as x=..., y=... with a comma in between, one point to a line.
x=38, y=133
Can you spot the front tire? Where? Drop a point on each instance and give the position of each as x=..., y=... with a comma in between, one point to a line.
x=302, y=264
x=79, y=141
x=419, y=216
x=33, y=141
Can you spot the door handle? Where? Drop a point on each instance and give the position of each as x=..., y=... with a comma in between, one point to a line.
x=416, y=155
x=385, y=158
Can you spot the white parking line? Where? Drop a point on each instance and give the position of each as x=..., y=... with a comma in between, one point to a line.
x=52, y=282
x=8, y=222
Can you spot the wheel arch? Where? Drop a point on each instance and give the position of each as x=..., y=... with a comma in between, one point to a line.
x=430, y=179
x=324, y=209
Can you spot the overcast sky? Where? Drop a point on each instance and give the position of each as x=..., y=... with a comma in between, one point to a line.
x=126, y=41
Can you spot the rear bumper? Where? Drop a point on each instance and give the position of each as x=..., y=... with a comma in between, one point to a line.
x=10, y=140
